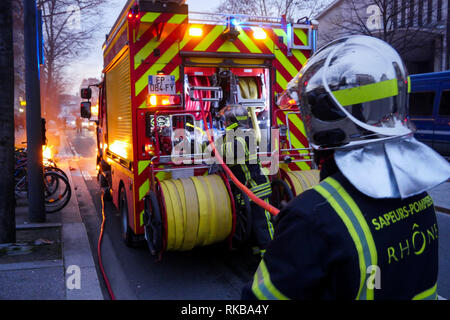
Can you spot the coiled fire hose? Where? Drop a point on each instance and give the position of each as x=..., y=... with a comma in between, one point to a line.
x=99, y=252
x=198, y=211
x=301, y=181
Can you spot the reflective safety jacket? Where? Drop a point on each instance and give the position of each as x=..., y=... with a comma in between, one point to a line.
x=333, y=242
x=246, y=166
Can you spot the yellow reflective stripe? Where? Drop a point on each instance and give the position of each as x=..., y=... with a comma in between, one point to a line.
x=247, y=175
x=251, y=46
x=430, y=294
x=281, y=58
x=362, y=222
x=141, y=218
x=143, y=189
x=150, y=16
x=231, y=126
x=263, y=287
x=335, y=205
x=209, y=38
x=298, y=54
x=228, y=47
x=281, y=80
x=366, y=93
x=168, y=55
x=409, y=84
x=142, y=165
x=301, y=34
x=177, y=18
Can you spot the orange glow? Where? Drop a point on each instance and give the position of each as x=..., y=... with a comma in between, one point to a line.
x=195, y=32
x=46, y=153
x=292, y=102
x=94, y=110
x=259, y=34
x=119, y=148
x=153, y=101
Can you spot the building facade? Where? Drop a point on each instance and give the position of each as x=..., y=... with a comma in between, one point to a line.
x=417, y=29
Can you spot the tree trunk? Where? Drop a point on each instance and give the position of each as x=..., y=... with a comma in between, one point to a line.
x=7, y=210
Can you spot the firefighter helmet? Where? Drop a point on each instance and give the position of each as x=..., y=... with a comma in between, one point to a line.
x=235, y=116
x=353, y=91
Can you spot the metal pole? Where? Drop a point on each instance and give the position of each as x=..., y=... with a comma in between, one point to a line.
x=7, y=210
x=36, y=212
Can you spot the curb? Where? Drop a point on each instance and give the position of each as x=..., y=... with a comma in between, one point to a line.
x=77, y=251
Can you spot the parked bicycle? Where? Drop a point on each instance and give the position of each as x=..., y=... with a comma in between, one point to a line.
x=57, y=190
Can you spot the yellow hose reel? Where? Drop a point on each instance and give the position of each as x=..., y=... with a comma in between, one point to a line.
x=198, y=211
x=300, y=181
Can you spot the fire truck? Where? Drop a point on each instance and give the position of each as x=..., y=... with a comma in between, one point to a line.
x=167, y=69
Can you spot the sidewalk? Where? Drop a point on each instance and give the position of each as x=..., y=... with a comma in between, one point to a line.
x=441, y=197
x=47, y=256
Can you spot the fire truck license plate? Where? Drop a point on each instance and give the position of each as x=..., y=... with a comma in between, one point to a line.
x=161, y=84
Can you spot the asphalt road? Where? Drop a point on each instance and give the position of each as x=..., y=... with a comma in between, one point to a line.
x=211, y=272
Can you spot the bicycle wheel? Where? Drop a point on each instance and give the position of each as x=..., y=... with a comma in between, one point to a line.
x=57, y=191
x=53, y=168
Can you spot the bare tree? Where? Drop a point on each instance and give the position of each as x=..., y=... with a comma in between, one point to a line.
x=400, y=23
x=69, y=26
x=7, y=211
x=292, y=9
x=250, y=7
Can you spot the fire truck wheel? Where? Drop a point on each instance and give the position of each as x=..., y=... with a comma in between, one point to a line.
x=243, y=227
x=127, y=234
x=281, y=194
x=153, y=224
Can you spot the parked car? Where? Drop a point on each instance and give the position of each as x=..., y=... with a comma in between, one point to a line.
x=430, y=109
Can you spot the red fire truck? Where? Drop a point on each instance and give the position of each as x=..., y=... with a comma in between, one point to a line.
x=163, y=68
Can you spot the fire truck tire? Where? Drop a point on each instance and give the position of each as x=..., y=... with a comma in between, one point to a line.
x=128, y=235
x=153, y=226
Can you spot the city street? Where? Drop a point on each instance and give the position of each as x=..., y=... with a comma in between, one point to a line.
x=211, y=272
x=204, y=273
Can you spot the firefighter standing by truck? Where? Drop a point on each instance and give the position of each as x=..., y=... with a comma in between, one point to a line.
x=247, y=169
x=368, y=230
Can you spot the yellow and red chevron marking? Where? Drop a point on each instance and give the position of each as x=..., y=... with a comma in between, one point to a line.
x=142, y=187
x=287, y=65
x=298, y=139
x=152, y=55
x=300, y=37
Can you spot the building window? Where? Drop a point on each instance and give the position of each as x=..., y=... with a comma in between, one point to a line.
x=439, y=10
x=444, y=107
x=420, y=13
x=430, y=12
x=411, y=13
x=421, y=104
x=395, y=14
x=403, y=18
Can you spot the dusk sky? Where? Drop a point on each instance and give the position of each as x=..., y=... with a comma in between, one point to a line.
x=91, y=65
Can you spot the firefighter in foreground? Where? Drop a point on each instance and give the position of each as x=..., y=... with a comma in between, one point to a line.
x=246, y=167
x=368, y=230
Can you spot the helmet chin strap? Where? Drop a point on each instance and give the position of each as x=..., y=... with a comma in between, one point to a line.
x=398, y=131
